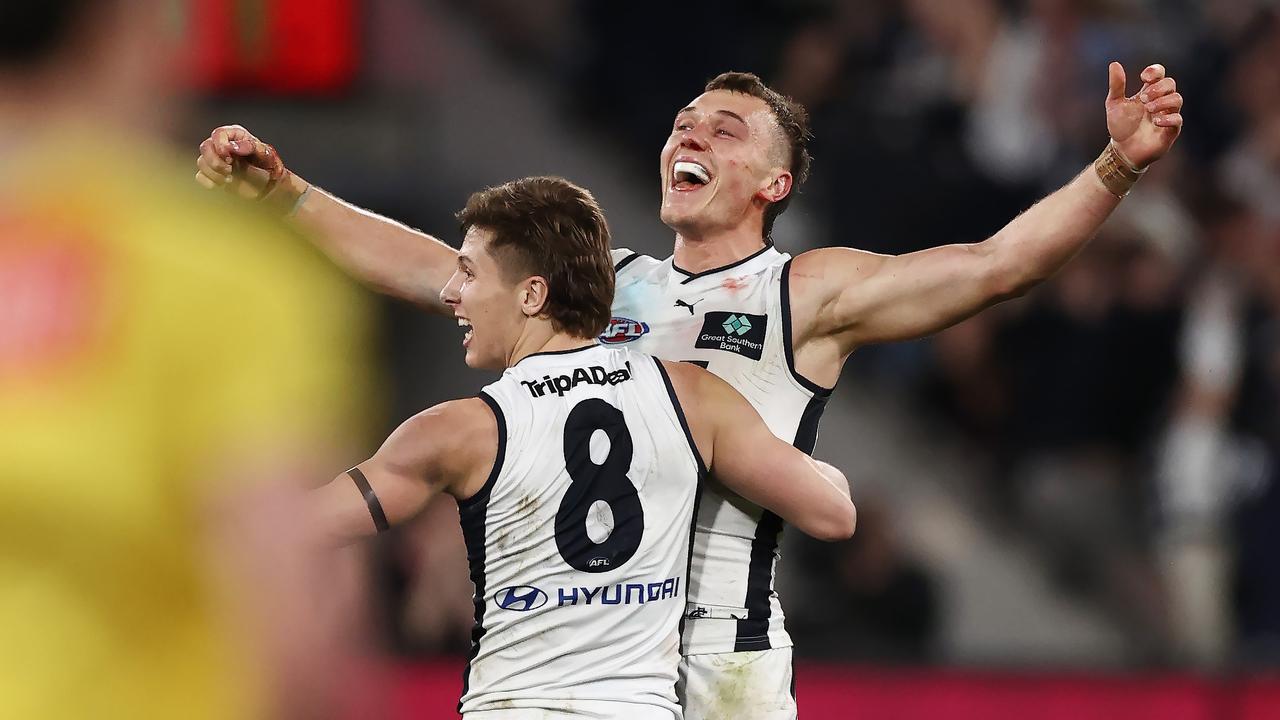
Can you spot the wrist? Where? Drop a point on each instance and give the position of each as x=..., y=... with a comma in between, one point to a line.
x=1116, y=172
x=288, y=195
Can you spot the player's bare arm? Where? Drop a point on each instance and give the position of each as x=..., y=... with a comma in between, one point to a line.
x=747, y=458
x=845, y=298
x=449, y=448
x=391, y=257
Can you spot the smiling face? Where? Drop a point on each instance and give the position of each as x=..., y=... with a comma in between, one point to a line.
x=486, y=302
x=724, y=162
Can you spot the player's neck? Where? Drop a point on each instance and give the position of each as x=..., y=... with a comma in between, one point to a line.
x=700, y=252
x=544, y=340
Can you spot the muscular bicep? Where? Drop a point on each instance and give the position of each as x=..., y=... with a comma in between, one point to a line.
x=366, y=500
x=859, y=298
x=390, y=487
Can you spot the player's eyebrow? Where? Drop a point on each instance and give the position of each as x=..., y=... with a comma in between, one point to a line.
x=733, y=115
x=729, y=113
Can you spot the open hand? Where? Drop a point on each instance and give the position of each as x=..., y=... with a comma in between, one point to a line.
x=1144, y=126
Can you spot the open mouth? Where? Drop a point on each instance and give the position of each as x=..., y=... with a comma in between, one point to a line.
x=465, y=323
x=687, y=175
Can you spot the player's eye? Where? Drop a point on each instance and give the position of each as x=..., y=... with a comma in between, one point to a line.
x=724, y=133
x=683, y=126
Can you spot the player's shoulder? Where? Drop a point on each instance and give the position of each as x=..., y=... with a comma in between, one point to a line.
x=629, y=263
x=817, y=276
x=842, y=261
x=455, y=436
x=691, y=384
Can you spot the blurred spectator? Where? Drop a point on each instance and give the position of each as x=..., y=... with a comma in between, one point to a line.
x=173, y=371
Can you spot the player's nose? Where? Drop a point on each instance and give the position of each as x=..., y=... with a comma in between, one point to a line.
x=692, y=140
x=449, y=293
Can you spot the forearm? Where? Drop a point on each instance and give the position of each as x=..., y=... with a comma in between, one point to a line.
x=389, y=256
x=1037, y=243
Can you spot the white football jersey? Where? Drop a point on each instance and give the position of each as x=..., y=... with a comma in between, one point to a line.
x=736, y=322
x=579, y=540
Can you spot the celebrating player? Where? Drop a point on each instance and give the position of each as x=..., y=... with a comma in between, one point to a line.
x=776, y=328
x=577, y=473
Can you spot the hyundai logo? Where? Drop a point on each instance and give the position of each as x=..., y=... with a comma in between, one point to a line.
x=520, y=597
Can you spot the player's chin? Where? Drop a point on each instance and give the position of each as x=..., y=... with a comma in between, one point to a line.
x=680, y=219
x=481, y=361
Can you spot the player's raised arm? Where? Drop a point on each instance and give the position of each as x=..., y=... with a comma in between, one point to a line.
x=750, y=460
x=859, y=297
x=391, y=257
x=448, y=448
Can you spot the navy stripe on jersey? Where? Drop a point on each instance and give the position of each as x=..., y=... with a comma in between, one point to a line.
x=785, y=291
x=624, y=262
x=807, y=431
x=753, y=630
x=702, y=476
x=471, y=515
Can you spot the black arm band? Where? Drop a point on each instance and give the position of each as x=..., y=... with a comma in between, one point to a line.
x=370, y=499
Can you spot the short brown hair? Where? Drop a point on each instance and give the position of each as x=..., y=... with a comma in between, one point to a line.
x=550, y=227
x=791, y=117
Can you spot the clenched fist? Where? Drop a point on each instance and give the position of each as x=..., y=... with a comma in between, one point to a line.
x=233, y=159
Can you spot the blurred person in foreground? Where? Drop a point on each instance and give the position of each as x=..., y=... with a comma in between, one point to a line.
x=777, y=328
x=165, y=380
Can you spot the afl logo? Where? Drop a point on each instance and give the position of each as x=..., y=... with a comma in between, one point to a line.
x=622, y=330
x=521, y=598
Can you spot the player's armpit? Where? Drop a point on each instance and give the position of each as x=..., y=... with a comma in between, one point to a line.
x=750, y=460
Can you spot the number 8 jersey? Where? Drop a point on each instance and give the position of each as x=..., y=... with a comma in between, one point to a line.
x=579, y=540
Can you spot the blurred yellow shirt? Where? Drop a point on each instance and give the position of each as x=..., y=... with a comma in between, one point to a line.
x=150, y=332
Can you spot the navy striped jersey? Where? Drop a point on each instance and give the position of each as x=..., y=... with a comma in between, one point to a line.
x=735, y=321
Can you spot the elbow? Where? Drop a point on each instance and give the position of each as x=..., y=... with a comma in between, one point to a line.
x=1008, y=282
x=1008, y=276
x=840, y=525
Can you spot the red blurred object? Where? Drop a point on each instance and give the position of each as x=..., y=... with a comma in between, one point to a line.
x=835, y=692
x=276, y=46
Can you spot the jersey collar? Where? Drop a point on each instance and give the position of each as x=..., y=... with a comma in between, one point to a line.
x=761, y=258
x=556, y=357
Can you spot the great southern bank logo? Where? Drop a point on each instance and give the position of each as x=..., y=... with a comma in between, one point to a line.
x=736, y=325
x=622, y=330
x=521, y=598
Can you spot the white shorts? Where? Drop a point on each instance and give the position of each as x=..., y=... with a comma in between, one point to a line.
x=752, y=685
x=581, y=710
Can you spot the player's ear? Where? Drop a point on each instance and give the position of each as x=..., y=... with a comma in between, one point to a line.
x=778, y=187
x=533, y=295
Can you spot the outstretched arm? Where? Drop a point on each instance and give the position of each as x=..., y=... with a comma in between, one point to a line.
x=448, y=448
x=747, y=458
x=859, y=297
x=391, y=257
